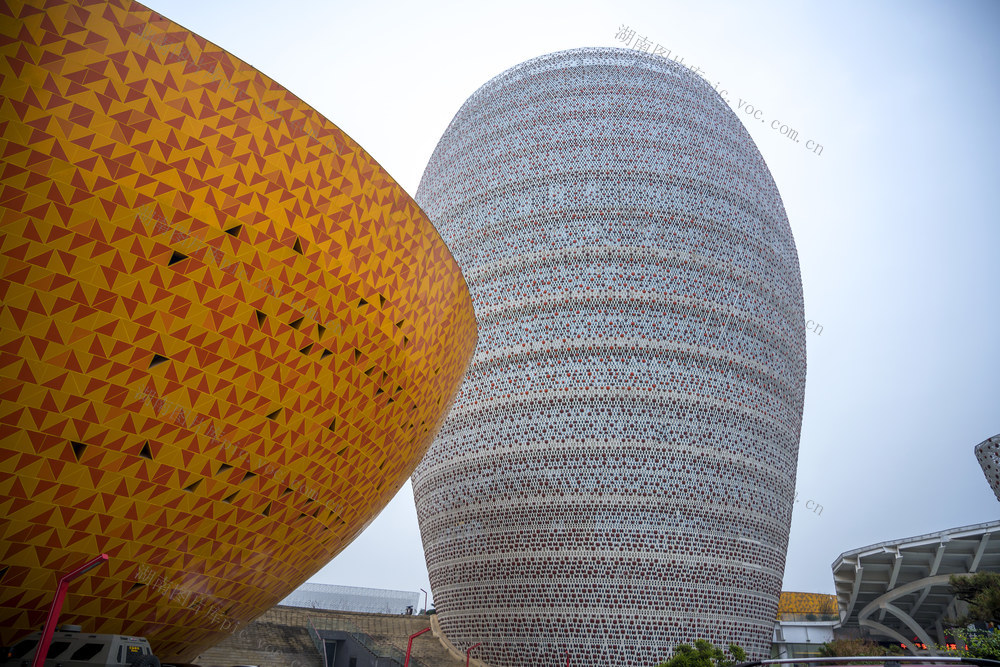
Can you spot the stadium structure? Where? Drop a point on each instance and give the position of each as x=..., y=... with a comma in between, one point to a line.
x=900, y=590
x=227, y=335
x=353, y=598
x=617, y=474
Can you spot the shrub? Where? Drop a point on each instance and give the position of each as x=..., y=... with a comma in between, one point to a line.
x=704, y=654
x=849, y=647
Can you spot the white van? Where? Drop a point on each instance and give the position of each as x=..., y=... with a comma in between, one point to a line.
x=72, y=648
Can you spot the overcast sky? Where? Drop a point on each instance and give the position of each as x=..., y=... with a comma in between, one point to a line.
x=895, y=219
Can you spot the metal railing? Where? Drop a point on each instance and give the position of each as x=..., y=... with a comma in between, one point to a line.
x=320, y=644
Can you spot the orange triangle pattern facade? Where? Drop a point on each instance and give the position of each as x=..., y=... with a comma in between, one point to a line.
x=227, y=336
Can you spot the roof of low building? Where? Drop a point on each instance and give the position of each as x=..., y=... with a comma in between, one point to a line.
x=900, y=589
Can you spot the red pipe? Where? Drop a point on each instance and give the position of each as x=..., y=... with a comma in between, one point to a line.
x=467, y=653
x=409, y=645
x=567, y=658
x=56, y=608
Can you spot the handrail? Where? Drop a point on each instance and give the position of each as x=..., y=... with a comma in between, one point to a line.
x=320, y=644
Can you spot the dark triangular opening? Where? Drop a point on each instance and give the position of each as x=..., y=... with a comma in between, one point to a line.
x=384, y=376
x=260, y=318
x=297, y=323
x=78, y=448
x=436, y=370
x=287, y=490
x=136, y=586
x=274, y=415
x=308, y=348
x=326, y=353
x=342, y=451
x=378, y=391
x=391, y=400
x=369, y=371
x=267, y=510
x=399, y=324
x=176, y=257
x=333, y=425
x=357, y=354
x=297, y=247
x=145, y=453
x=234, y=231
x=405, y=341
x=320, y=330
x=381, y=301
x=157, y=360
x=303, y=515
x=248, y=475
x=230, y=498
x=223, y=468
x=362, y=302
x=192, y=487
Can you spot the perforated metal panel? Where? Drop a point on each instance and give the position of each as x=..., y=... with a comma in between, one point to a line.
x=618, y=471
x=988, y=454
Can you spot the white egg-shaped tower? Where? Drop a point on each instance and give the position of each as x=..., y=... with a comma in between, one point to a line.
x=617, y=474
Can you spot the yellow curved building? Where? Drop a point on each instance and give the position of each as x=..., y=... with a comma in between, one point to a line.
x=796, y=606
x=227, y=336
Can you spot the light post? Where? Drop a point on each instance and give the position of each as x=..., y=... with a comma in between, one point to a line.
x=425, y=600
x=409, y=645
x=57, y=602
x=469, y=652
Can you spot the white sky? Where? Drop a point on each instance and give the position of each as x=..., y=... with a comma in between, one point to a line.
x=896, y=222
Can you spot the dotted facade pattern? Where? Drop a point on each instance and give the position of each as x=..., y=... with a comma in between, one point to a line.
x=617, y=473
x=988, y=453
x=227, y=336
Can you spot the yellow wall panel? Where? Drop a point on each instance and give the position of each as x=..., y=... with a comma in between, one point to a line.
x=226, y=334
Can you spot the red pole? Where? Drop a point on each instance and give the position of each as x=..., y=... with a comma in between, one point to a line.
x=57, y=603
x=467, y=653
x=567, y=658
x=409, y=645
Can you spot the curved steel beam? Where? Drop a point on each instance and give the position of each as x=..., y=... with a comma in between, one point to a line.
x=885, y=600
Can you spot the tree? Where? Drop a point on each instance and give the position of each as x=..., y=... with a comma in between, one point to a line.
x=981, y=592
x=977, y=643
x=704, y=654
